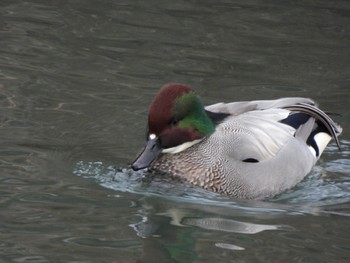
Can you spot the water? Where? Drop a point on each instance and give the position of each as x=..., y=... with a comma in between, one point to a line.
x=76, y=78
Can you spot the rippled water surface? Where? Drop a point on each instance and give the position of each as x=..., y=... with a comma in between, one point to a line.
x=76, y=79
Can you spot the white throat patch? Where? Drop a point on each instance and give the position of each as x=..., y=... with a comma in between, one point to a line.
x=181, y=147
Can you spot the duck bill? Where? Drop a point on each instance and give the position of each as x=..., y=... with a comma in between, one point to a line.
x=148, y=155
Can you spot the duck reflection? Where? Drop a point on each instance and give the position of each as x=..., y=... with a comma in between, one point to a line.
x=177, y=234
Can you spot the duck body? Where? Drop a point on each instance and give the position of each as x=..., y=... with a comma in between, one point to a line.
x=250, y=150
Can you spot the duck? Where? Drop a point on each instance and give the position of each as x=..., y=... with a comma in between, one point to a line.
x=247, y=149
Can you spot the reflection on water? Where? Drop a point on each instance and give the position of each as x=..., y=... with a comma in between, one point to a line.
x=226, y=225
x=76, y=79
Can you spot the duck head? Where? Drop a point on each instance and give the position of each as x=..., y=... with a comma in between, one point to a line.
x=176, y=121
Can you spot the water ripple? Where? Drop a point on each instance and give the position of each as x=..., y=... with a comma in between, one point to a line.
x=316, y=194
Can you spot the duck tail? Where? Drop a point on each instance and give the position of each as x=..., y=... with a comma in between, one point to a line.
x=320, y=117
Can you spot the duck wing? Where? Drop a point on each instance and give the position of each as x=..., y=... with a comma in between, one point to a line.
x=257, y=130
x=236, y=108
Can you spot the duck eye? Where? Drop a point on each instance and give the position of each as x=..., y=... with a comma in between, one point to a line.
x=174, y=122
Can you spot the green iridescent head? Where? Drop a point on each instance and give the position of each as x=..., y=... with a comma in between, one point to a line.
x=176, y=120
